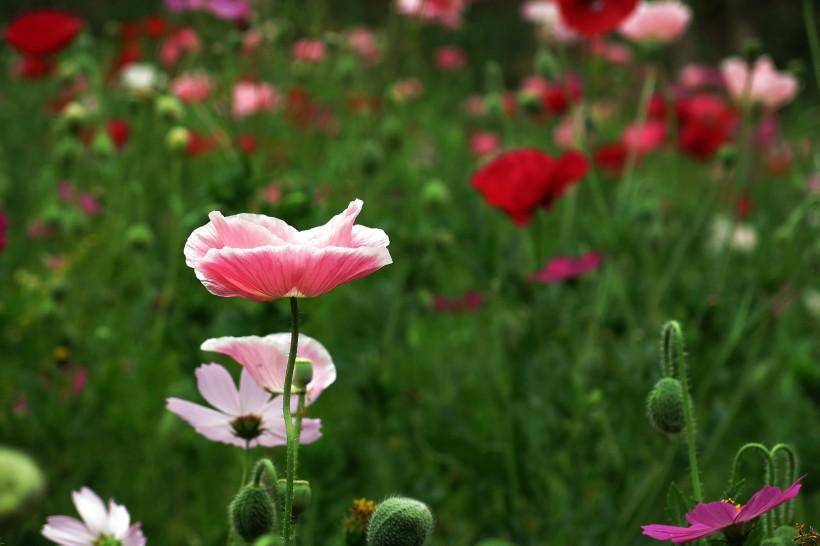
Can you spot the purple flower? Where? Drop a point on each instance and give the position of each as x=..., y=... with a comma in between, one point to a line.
x=723, y=516
x=568, y=268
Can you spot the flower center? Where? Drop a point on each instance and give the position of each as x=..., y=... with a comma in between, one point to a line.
x=595, y=5
x=107, y=540
x=731, y=501
x=247, y=427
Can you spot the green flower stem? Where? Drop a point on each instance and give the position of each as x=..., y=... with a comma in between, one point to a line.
x=292, y=439
x=768, y=476
x=786, y=511
x=263, y=466
x=632, y=155
x=675, y=357
x=814, y=41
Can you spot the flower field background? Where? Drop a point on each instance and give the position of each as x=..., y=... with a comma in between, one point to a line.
x=499, y=368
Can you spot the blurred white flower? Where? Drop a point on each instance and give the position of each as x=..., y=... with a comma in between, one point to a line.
x=736, y=235
x=142, y=78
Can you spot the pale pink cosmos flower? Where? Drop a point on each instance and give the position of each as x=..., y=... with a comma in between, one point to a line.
x=247, y=417
x=309, y=51
x=266, y=359
x=765, y=85
x=98, y=523
x=547, y=16
x=724, y=516
x=192, y=87
x=659, y=22
x=262, y=258
x=250, y=98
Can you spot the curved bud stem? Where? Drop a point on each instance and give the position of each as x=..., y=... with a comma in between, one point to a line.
x=674, y=360
x=293, y=440
x=263, y=466
x=768, y=475
x=789, y=476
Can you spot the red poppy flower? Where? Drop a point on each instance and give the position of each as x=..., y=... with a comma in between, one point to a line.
x=201, y=144
x=611, y=157
x=520, y=181
x=246, y=143
x=30, y=67
x=706, y=123
x=119, y=131
x=43, y=32
x=155, y=26
x=595, y=17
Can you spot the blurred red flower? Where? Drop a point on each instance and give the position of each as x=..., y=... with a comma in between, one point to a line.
x=595, y=17
x=43, y=32
x=706, y=123
x=611, y=157
x=31, y=67
x=521, y=181
x=119, y=131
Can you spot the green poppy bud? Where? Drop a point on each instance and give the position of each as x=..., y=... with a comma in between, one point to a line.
x=664, y=406
x=251, y=513
x=20, y=480
x=139, y=236
x=530, y=102
x=269, y=540
x=435, y=193
x=400, y=521
x=302, y=373
x=74, y=114
x=169, y=107
x=372, y=157
x=545, y=65
x=102, y=145
x=177, y=139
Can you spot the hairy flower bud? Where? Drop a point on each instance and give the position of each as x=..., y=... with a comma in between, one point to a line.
x=664, y=406
x=400, y=521
x=251, y=512
x=302, y=373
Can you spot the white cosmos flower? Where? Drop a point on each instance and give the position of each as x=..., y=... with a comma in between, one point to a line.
x=109, y=526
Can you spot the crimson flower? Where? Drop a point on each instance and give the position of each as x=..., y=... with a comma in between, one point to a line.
x=43, y=32
x=567, y=268
x=119, y=131
x=706, y=123
x=611, y=157
x=595, y=17
x=521, y=181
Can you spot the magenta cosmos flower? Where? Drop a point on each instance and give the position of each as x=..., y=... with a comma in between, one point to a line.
x=723, y=516
x=266, y=359
x=262, y=258
x=99, y=525
x=568, y=268
x=244, y=417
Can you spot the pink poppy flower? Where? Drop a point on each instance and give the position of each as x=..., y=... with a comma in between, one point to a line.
x=309, y=51
x=645, y=138
x=610, y=51
x=564, y=133
x=660, y=22
x=192, y=87
x=230, y=10
x=182, y=41
x=363, y=43
x=244, y=417
x=484, y=143
x=266, y=359
x=98, y=525
x=724, y=516
x=696, y=76
x=568, y=268
x=262, y=258
x=471, y=301
x=250, y=98
x=547, y=15
x=447, y=13
x=450, y=58
x=767, y=86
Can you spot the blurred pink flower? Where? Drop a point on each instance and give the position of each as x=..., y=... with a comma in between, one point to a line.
x=663, y=21
x=266, y=359
x=272, y=193
x=610, y=51
x=79, y=380
x=228, y=10
x=765, y=85
x=645, y=138
x=444, y=12
x=247, y=416
x=20, y=405
x=98, y=523
x=696, y=76
x=250, y=98
x=475, y=106
x=251, y=41
x=450, y=58
x=192, y=87
x=484, y=143
x=262, y=258
x=546, y=14
x=568, y=268
x=309, y=51
x=711, y=518
x=363, y=43
x=564, y=133
x=471, y=301
x=89, y=204
x=407, y=90
x=180, y=42
x=813, y=184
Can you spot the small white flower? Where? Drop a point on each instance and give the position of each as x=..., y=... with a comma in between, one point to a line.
x=141, y=78
x=737, y=236
x=99, y=525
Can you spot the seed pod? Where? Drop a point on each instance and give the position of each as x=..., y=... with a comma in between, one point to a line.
x=302, y=373
x=400, y=521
